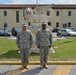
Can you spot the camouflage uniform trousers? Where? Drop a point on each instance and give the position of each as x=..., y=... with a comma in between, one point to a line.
x=24, y=53
x=44, y=51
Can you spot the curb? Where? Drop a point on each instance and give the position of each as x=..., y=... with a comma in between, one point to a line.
x=38, y=63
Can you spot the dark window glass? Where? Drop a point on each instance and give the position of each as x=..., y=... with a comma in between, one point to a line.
x=64, y=25
x=69, y=24
x=57, y=13
x=69, y=13
x=57, y=24
x=5, y=13
x=49, y=23
x=5, y=24
x=65, y=31
x=17, y=16
x=29, y=23
x=48, y=13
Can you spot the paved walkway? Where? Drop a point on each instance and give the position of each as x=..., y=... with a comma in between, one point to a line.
x=34, y=70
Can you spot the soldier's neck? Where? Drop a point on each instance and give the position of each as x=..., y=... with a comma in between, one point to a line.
x=24, y=29
x=44, y=28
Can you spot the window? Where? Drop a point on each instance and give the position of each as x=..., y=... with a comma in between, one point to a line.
x=5, y=24
x=64, y=25
x=17, y=16
x=69, y=13
x=69, y=24
x=29, y=23
x=48, y=13
x=57, y=13
x=49, y=23
x=65, y=31
x=57, y=24
x=5, y=13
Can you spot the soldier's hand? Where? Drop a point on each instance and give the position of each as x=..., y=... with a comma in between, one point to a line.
x=38, y=46
x=30, y=46
x=18, y=46
x=49, y=46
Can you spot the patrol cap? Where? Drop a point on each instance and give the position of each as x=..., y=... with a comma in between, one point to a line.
x=24, y=24
x=45, y=23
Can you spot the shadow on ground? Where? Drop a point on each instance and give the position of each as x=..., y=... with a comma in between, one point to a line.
x=1, y=74
x=34, y=71
x=10, y=54
x=14, y=54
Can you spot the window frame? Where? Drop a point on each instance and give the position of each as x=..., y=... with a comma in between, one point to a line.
x=69, y=13
x=48, y=13
x=17, y=16
x=57, y=13
x=5, y=13
x=69, y=24
x=57, y=24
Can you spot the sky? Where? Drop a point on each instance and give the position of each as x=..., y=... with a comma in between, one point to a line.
x=39, y=1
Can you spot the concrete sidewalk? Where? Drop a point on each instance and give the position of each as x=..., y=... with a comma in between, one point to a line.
x=38, y=63
x=34, y=70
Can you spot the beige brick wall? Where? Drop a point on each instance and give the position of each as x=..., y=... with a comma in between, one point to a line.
x=62, y=18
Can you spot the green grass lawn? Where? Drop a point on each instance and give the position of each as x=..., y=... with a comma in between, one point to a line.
x=65, y=50
x=8, y=49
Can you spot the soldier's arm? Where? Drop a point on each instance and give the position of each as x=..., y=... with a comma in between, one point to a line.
x=37, y=39
x=31, y=38
x=18, y=38
x=50, y=39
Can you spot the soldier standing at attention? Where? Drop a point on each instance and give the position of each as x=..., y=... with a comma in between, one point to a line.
x=24, y=42
x=43, y=42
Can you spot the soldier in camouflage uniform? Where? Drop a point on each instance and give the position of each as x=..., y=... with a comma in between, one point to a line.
x=24, y=42
x=43, y=42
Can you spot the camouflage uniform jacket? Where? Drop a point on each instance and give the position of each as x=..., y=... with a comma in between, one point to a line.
x=43, y=37
x=24, y=39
